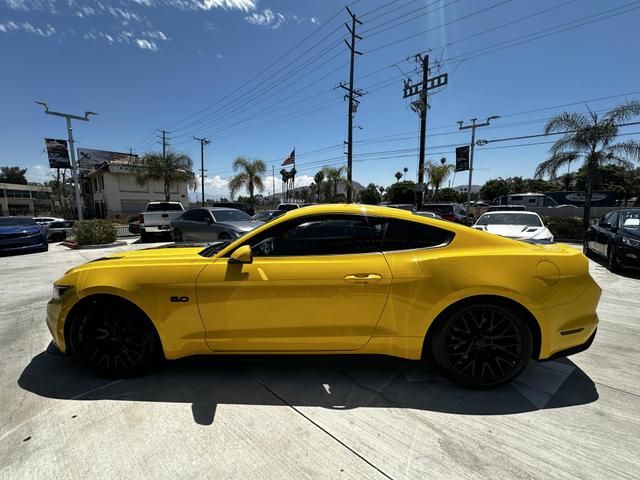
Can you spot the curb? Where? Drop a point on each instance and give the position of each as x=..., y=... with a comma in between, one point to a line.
x=75, y=246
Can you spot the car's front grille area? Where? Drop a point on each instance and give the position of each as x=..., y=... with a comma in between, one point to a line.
x=15, y=235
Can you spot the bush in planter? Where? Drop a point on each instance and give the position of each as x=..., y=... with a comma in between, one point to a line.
x=94, y=232
x=568, y=228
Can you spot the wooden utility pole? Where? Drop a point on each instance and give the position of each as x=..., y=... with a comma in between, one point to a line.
x=203, y=141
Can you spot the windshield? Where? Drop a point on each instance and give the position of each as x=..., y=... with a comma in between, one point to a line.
x=510, y=219
x=15, y=221
x=164, y=207
x=630, y=220
x=231, y=216
x=262, y=216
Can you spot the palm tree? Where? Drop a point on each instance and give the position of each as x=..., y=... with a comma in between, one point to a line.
x=318, y=178
x=248, y=176
x=405, y=170
x=169, y=169
x=398, y=176
x=438, y=174
x=334, y=176
x=592, y=139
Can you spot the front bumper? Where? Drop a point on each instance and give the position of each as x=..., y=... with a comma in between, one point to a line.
x=24, y=244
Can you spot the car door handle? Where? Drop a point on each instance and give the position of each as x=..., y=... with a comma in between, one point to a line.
x=363, y=278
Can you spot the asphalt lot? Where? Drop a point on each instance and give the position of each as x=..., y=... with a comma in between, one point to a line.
x=311, y=417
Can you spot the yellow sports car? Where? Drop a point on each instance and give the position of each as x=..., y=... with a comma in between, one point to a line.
x=334, y=279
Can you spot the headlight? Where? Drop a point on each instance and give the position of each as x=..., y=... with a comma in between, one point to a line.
x=631, y=242
x=58, y=291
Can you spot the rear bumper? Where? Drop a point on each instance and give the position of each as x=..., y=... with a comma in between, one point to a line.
x=573, y=350
x=155, y=229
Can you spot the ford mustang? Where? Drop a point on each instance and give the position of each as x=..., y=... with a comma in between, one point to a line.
x=334, y=279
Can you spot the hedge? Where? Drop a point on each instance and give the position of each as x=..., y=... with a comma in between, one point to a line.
x=565, y=228
x=94, y=232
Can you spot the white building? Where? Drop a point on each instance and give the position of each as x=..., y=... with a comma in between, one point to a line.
x=112, y=190
x=17, y=199
x=464, y=188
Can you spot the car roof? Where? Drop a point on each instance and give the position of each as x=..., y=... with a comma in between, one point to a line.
x=511, y=212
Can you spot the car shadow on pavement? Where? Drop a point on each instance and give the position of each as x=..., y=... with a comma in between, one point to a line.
x=332, y=382
x=626, y=272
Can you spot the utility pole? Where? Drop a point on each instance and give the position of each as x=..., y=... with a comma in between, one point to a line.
x=351, y=94
x=72, y=150
x=473, y=127
x=203, y=141
x=273, y=180
x=421, y=106
x=164, y=144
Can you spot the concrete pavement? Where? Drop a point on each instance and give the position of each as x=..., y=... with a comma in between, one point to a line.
x=311, y=417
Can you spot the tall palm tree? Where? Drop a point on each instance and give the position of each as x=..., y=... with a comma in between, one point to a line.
x=248, y=176
x=398, y=176
x=591, y=138
x=169, y=169
x=318, y=178
x=334, y=176
x=405, y=170
x=438, y=174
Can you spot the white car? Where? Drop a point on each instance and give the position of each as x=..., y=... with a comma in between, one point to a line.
x=517, y=225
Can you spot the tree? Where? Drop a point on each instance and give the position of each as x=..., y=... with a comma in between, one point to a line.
x=169, y=169
x=438, y=174
x=592, y=139
x=398, y=176
x=248, y=175
x=13, y=175
x=612, y=178
x=318, y=178
x=370, y=195
x=402, y=192
x=404, y=170
x=449, y=195
x=334, y=176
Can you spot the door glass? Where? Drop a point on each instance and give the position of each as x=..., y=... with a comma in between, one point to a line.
x=321, y=235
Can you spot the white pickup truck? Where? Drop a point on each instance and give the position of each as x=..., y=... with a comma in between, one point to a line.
x=156, y=218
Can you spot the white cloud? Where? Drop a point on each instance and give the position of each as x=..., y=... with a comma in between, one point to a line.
x=29, y=5
x=9, y=27
x=243, y=5
x=38, y=173
x=267, y=18
x=146, y=44
x=218, y=55
x=156, y=35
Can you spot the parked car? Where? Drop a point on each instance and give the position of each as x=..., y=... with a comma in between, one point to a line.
x=285, y=207
x=516, y=225
x=47, y=220
x=245, y=207
x=208, y=224
x=58, y=231
x=506, y=208
x=429, y=215
x=22, y=234
x=403, y=206
x=616, y=237
x=266, y=215
x=354, y=279
x=453, y=212
x=157, y=217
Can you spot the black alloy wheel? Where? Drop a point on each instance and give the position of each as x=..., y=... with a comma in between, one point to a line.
x=113, y=339
x=612, y=259
x=482, y=345
x=177, y=236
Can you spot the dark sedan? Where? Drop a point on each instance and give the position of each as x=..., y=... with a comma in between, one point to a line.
x=212, y=224
x=22, y=234
x=266, y=215
x=616, y=237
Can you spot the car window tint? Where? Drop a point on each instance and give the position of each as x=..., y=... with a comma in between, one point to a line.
x=613, y=219
x=404, y=235
x=320, y=235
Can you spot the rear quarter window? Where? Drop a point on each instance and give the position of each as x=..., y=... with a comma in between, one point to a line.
x=405, y=235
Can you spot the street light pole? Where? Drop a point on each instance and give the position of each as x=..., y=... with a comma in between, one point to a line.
x=74, y=165
x=203, y=142
x=473, y=127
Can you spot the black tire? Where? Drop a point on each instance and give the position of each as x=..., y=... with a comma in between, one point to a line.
x=224, y=236
x=585, y=247
x=612, y=259
x=113, y=339
x=482, y=345
x=177, y=236
x=144, y=237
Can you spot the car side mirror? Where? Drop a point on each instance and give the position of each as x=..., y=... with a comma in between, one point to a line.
x=242, y=254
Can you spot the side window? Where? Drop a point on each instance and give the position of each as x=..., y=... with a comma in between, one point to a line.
x=321, y=235
x=613, y=220
x=190, y=215
x=404, y=235
x=196, y=215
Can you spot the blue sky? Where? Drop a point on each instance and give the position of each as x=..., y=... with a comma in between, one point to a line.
x=197, y=67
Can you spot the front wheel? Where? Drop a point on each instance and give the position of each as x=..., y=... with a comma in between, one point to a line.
x=482, y=345
x=113, y=338
x=177, y=236
x=612, y=259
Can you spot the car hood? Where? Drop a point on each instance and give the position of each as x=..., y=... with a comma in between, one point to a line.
x=631, y=232
x=13, y=229
x=241, y=226
x=515, y=231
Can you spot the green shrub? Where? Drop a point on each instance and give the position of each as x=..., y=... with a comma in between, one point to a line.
x=94, y=232
x=569, y=228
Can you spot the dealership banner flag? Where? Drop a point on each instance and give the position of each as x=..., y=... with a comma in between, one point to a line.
x=291, y=159
x=462, y=158
x=58, y=153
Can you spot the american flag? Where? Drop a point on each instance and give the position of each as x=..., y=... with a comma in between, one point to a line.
x=290, y=159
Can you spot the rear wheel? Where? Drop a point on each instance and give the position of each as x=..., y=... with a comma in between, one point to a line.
x=177, y=236
x=482, y=345
x=113, y=338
